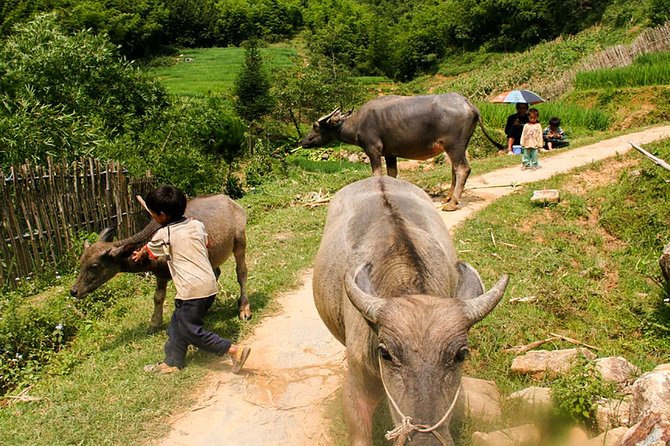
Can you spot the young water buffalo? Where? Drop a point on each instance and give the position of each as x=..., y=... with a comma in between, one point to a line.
x=414, y=127
x=389, y=287
x=225, y=222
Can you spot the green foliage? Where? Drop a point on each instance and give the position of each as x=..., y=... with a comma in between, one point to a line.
x=183, y=146
x=305, y=92
x=649, y=69
x=223, y=132
x=402, y=40
x=253, y=100
x=270, y=20
x=539, y=65
x=138, y=27
x=576, y=393
x=64, y=96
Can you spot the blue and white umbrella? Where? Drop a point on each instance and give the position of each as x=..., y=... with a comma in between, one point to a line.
x=518, y=96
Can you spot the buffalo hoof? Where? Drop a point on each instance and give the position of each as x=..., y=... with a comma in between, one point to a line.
x=450, y=206
x=153, y=329
x=245, y=312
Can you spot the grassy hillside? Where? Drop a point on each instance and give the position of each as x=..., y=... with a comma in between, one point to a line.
x=198, y=72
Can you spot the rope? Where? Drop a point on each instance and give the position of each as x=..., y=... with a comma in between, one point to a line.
x=406, y=426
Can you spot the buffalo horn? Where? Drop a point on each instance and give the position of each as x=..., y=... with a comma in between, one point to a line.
x=328, y=116
x=107, y=234
x=366, y=303
x=476, y=309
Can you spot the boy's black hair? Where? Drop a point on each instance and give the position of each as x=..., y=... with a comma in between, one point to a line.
x=534, y=110
x=555, y=122
x=167, y=199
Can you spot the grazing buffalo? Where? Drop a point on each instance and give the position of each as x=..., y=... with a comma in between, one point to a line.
x=225, y=222
x=414, y=127
x=388, y=285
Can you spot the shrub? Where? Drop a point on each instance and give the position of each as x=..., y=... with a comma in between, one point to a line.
x=64, y=96
x=576, y=393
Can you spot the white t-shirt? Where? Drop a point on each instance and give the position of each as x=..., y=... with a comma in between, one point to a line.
x=185, y=245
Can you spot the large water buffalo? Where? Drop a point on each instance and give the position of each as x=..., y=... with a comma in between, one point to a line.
x=414, y=127
x=388, y=285
x=225, y=222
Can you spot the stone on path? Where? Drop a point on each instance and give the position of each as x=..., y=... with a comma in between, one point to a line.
x=526, y=434
x=612, y=413
x=481, y=399
x=650, y=394
x=545, y=196
x=616, y=369
x=541, y=363
x=652, y=430
x=535, y=398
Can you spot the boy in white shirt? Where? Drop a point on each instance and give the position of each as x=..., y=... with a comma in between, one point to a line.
x=183, y=242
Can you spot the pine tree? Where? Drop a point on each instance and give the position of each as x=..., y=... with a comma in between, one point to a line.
x=252, y=87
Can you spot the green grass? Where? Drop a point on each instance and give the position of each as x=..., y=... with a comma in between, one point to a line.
x=213, y=70
x=94, y=391
x=594, y=285
x=647, y=70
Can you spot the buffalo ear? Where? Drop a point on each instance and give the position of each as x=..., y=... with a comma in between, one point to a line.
x=107, y=234
x=470, y=284
x=87, y=244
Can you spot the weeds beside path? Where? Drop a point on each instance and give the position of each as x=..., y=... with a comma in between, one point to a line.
x=296, y=365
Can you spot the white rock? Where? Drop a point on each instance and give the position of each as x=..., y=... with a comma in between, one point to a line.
x=610, y=438
x=481, y=398
x=662, y=368
x=612, y=413
x=652, y=430
x=616, y=369
x=526, y=434
x=650, y=394
x=534, y=397
x=540, y=363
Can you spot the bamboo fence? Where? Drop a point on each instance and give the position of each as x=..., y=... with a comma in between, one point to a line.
x=43, y=209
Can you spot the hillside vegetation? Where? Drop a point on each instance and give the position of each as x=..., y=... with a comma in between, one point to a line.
x=68, y=93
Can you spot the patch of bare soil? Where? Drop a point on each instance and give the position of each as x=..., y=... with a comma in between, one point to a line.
x=296, y=366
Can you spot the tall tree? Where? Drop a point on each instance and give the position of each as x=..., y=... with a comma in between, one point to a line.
x=252, y=86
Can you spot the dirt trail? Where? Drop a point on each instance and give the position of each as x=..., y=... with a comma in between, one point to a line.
x=296, y=365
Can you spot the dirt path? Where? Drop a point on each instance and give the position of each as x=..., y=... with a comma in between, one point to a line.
x=296, y=365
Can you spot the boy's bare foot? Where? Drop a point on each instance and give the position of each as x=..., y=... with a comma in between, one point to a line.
x=160, y=368
x=239, y=357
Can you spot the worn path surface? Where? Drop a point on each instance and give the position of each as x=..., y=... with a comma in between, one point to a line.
x=296, y=365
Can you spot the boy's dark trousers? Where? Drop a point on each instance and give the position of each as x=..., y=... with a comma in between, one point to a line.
x=186, y=328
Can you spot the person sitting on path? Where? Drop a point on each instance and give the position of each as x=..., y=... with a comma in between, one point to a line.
x=531, y=140
x=514, y=126
x=183, y=242
x=554, y=136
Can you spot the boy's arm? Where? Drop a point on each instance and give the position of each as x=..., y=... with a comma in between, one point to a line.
x=139, y=254
x=154, y=249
